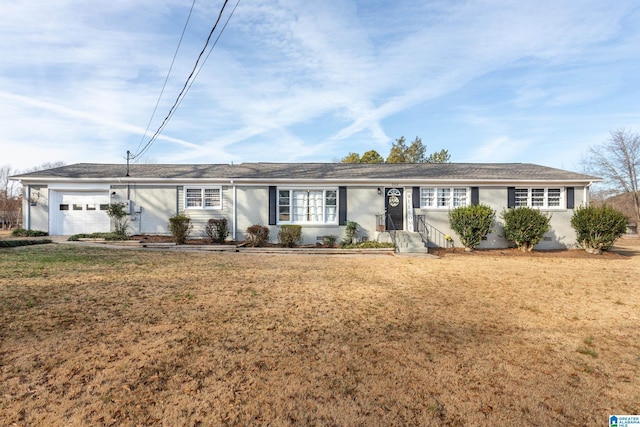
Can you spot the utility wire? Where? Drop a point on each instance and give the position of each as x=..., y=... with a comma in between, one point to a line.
x=185, y=87
x=215, y=42
x=164, y=85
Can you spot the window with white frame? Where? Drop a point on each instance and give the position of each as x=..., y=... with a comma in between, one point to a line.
x=203, y=198
x=443, y=197
x=542, y=198
x=313, y=205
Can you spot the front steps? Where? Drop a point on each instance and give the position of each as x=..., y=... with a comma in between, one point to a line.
x=409, y=242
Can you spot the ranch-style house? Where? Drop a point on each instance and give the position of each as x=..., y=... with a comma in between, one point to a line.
x=321, y=197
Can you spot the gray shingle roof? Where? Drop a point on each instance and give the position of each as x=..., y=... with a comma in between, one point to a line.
x=314, y=171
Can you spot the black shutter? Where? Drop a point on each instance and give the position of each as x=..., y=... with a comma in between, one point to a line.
x=342, y=205
x=273, y=205
x=416, y=197
x=511, y=197
x=571, y=198
x=475, y=196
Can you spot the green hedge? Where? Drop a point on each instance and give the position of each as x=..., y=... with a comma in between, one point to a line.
x=472, y=223
x=525, y=226
x=105, y=236
x=18, y=243
x=598, y=227
x=21, y=232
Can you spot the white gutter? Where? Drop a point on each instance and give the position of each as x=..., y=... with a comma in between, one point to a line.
x=267, y=181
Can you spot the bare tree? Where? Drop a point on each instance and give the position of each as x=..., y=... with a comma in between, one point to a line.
x=11, y=193
x=47, y=165
x=10, y=199
x=617, y=161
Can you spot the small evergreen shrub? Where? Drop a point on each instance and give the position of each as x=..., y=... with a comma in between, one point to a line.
x=21, y=232
x=180, y=227
x=472, y=223
x=350, y=232
x=598, y=227
x=257, y=235
x=525, y=226
x=217, y=230
x=290, y=236
x=329, y=241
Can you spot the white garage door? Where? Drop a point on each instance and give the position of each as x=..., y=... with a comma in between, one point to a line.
x=75, y=212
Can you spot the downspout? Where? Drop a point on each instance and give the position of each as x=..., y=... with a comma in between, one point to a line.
x=26, y=200
x=586, y=194
x=235, y=211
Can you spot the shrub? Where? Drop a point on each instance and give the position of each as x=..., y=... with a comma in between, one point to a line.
x=21, y=232
x=106, y=236
x=472, y=223
x=369, y=244
x=330, y=240
x=525, y=226
x=598, y=228
x=257, y=235
x=119, y=217
x=18, y=243
x=180, y=227
x=217, y=230
x=290, y=236
x=350, y=232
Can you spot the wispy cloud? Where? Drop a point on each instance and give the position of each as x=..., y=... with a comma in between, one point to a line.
x=293, y=80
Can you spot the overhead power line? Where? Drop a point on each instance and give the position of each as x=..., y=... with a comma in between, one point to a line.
x=189, y=81
x=164, y=85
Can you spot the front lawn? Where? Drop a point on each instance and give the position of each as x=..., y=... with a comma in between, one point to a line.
x=100, y=336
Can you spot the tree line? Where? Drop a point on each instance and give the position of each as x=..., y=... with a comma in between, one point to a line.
x=401, y=152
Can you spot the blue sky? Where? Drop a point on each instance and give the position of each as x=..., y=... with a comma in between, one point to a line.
x=300, y=81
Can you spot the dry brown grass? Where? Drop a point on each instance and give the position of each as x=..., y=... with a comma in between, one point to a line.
x=112, y=337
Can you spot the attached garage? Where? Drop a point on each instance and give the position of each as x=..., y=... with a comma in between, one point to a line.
x=78, y=211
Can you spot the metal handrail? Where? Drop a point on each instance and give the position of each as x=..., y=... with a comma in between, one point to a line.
x=392, y=232
x=429, y=233
x=381, y=225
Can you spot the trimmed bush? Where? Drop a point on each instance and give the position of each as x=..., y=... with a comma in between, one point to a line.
x=106, y=236
x=257, y=235
x=598, y=227
x=18, y=243
x=472, y=223
x=525, y=227
x=217, y=230
x=180, y=227
x=21, y=232
x=369, y=244
x=290, y=236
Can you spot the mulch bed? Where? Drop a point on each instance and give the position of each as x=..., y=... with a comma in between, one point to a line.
x=615, y=252
x=513, y=252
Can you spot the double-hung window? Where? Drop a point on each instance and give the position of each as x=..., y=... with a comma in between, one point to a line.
x=311, y=206
x=541, y=198
x=203, y=198
x=443, y=197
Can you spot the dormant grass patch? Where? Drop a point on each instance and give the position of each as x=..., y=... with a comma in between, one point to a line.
x=92, y=336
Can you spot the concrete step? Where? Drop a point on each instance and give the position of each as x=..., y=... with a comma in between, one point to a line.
x=408, y=242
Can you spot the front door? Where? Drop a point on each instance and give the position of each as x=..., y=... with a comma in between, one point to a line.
x=394, y=208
